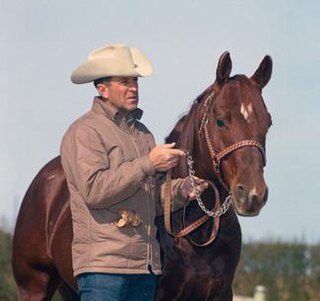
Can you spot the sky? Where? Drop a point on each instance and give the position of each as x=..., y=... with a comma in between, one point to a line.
x=43, y=41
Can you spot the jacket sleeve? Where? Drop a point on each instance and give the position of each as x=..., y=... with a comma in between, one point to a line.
x=87, y=167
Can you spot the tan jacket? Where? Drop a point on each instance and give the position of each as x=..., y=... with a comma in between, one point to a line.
x=106, y=162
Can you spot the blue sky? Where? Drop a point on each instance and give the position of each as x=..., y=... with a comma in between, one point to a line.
x=42, y=41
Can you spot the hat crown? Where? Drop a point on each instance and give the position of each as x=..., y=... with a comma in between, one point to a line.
x=116, y=51
x=112, y=60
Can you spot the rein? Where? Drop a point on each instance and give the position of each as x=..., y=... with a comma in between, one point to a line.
x=218, y=209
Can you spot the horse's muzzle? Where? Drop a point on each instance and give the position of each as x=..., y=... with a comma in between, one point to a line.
x=249, y=202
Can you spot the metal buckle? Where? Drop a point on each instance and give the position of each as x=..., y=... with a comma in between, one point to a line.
x=128, y=218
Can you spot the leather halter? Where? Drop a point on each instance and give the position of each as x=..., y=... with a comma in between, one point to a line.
x=217, y=157
x=216, y=160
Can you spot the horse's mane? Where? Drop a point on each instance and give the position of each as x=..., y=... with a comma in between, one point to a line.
x=183, y=133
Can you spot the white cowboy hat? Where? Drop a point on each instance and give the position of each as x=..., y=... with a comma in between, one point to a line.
x=113, y=60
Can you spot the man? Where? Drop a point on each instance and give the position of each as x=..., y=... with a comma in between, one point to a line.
x=110, y=160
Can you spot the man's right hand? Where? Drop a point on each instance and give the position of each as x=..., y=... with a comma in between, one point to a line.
x=165, y=156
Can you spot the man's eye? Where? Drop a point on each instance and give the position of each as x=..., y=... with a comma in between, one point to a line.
x=220, y=123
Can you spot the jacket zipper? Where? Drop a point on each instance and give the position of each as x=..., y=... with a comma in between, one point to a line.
x=147, y=187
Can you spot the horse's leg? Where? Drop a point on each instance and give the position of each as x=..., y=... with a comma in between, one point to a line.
x=32, y=265
x=227, y=295
x=36, y=283
x=197, y=289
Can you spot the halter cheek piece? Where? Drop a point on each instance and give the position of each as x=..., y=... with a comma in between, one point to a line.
x=216, y=161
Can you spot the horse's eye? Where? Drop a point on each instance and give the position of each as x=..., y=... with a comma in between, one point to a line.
x=220, y=123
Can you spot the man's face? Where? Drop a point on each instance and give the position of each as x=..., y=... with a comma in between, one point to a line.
x=123, y=93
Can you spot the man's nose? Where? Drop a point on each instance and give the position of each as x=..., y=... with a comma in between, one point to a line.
x=133, y=87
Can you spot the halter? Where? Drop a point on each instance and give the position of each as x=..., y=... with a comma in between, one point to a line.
x=216, y=158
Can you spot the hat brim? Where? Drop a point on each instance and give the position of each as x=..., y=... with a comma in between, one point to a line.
x=105, y=67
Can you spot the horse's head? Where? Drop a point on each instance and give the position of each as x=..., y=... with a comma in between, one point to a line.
x=233, y=122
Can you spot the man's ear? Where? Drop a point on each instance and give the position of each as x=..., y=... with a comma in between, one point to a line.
x=103, y=90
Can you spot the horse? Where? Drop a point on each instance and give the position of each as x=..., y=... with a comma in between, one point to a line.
x=224, y=136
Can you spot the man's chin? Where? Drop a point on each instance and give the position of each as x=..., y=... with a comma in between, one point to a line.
x=132, y=108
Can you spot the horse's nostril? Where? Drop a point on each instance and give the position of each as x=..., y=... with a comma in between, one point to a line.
x=241, y=193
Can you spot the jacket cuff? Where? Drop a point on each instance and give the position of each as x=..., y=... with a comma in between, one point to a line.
x=177, y=199
x=147, y=166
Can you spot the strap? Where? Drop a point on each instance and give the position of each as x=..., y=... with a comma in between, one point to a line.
x=188, y=229
x=198, y=223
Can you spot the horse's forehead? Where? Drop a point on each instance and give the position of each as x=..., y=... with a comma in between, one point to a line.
x=238, y=90
x=240, y=97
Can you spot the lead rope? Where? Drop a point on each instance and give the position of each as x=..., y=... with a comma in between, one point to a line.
x=186, y=229
x=216, y=212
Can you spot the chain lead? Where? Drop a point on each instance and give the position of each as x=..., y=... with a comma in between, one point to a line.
x=225, y=205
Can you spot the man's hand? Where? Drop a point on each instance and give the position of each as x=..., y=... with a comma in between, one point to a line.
x=165, y=156
x=187, y=189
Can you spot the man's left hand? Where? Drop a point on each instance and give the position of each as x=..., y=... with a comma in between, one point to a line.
x=187, y=189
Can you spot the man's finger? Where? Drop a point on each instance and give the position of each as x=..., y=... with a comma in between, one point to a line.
x=192, y=196
x=177, y=152
x=203, y=187
x=200, y=181
x=168, y=145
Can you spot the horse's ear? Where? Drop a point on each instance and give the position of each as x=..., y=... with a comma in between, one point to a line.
x=263, y=73
x=224, y=68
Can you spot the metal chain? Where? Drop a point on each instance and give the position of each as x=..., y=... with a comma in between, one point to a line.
x=225, y=205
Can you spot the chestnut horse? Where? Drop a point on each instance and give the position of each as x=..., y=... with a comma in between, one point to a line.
x=224, y=132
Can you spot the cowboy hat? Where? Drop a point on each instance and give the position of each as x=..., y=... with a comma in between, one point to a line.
x=113, y=60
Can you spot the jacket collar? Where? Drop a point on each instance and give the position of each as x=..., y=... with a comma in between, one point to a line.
x=101, y=107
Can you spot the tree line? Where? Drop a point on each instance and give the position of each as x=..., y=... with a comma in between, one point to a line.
x=290, y=271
